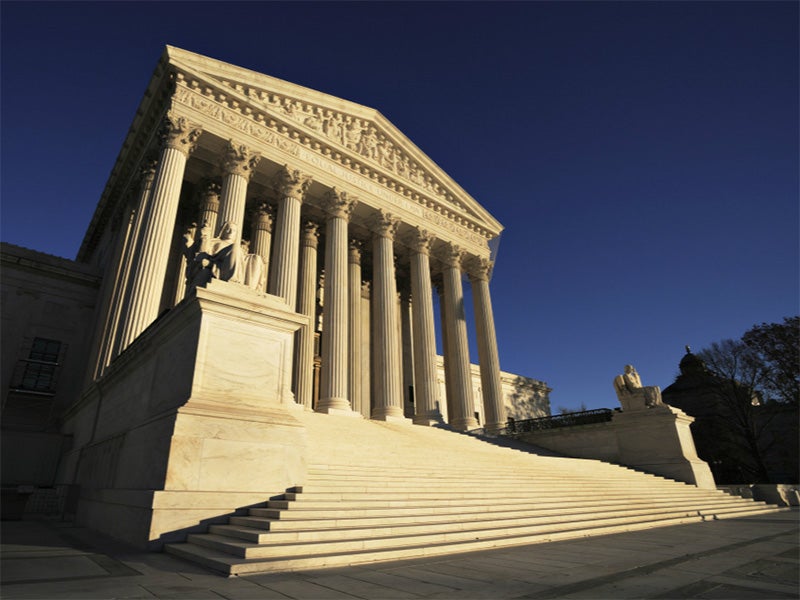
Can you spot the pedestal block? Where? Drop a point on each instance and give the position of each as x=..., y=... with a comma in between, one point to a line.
x=192, y=421
x=658, y=440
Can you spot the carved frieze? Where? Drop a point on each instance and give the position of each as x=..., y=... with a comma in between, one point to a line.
x=333, y=125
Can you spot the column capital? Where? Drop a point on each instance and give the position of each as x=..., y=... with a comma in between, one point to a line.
x=338, y=204
x=180, y=133
x=262, y=217
x=209, y=187
x=354, y=252
x=291, y=182
x=366, y=289
x=385, y=225
x=452, y=256
x=421, y=240
x=147, y=173
x=239, y=160
x=310, y=234
x=480, y=268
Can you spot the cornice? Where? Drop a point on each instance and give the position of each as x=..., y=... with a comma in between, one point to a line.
x=299, y=113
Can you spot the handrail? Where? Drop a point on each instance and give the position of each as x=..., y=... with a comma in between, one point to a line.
x=514, y=428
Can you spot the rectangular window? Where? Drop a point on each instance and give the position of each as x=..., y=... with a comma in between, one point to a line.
x=39, y=373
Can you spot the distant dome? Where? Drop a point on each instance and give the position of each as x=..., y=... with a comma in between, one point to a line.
x=691, y=364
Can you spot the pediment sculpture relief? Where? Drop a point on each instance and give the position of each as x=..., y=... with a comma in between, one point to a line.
x=358, y=135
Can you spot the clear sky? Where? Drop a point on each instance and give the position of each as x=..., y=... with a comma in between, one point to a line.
x=642, y=156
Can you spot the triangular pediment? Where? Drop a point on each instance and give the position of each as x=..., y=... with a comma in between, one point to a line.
x=361, y=133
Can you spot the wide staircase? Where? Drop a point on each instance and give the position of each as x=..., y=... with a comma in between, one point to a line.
x=378, y=491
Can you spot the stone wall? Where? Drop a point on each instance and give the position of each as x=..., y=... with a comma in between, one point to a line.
x=655, y=440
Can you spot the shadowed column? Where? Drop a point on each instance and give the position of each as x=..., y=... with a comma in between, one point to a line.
x=291, y=187
x=463, y=402
x=388, y=377
x=426, y=390
x=338, y=206
x=147, y=281
x=306, y=305
x=354, y=323
x=491, y=384
x=237, y=169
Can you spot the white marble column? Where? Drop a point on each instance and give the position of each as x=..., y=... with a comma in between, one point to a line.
x=405, y=337
x=306, y=305
x=366, y=349
x=463, y=401
x=291, y=187
x=261, y=237
x=447, y=355
x=354, y=322
x=494, y=409
x=147, y=280
x=209, y=206
x=388, y=374
x=127, y=224
x=237, y=169
x=338, y=206
x=426, y=391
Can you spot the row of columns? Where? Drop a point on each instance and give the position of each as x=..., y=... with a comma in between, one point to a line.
x=292, y=276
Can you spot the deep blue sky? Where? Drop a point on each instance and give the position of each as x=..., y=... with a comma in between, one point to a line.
x=642, y=156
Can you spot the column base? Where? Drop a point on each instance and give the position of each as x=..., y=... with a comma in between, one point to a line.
x=389, y=414
x=342, y=412
x=392, y=419
x=428, y=420
x=465, y=424
x=494, y=427
x=332, y=405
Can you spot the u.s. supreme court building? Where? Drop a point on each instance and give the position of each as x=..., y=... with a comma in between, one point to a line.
x=260, y=248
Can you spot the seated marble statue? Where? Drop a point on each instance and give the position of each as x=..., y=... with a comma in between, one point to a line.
x=632, y=394
x=221, y=258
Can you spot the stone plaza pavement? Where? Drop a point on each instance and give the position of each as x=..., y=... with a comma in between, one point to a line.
x=752, y=557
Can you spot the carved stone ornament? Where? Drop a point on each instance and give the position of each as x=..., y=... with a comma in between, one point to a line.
x=354, y=252
x=262, y=218
x=239, y=160
x=310, y=234
x=481, y=268
x=421, y=241
x=385, y=225
x=452, y=256
x=632, y=395
x=291, y=182
x=180, y=134
x=338, y=204
x=148, y=173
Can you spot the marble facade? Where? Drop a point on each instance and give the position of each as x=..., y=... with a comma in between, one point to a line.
x=260, y=249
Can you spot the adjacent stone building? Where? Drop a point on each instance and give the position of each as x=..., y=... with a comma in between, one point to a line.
x=259, y=248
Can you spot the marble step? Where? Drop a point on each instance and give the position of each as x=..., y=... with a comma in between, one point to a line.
x=401, y=501
x=276, y=520
x=246, y=550
x=313, y=533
